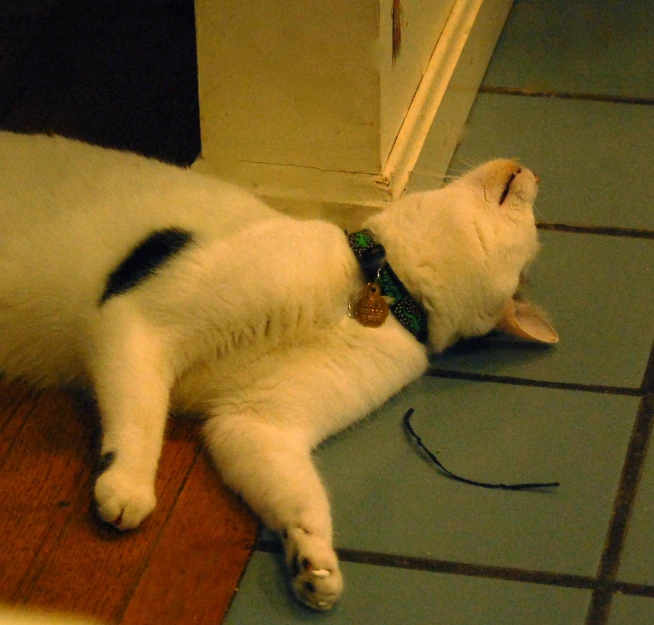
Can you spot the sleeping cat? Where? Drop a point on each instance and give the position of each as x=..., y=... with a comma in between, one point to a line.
x=162, y=289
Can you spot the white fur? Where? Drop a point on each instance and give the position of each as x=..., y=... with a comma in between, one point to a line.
x=248, y=325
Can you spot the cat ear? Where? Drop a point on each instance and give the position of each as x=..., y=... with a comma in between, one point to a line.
x=527, y=321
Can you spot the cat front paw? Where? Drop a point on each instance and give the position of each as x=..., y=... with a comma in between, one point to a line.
x=122, y=499
x=315, y=576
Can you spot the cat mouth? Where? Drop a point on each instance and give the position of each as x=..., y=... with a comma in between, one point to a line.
x=507, y=186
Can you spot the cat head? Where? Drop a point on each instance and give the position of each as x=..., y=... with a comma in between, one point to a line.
x=462, y=252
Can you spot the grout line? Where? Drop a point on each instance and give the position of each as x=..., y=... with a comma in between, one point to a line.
x=639, y=590
x=615, y=231
x=563, y=580
x=412, y=563
x=622, y=508
x=502, y=379
x=467, y=569
x=626, y=496
x=647, y=385
x=600, y=606
x=565, y=95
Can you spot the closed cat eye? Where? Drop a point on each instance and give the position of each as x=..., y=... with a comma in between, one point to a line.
x=505, y=192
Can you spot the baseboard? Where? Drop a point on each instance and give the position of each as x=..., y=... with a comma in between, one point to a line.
x=440, y=107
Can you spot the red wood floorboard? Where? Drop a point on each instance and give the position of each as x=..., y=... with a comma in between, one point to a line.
x=186, y=558
x=198, y=560
x=47, y=452
x=16, y=403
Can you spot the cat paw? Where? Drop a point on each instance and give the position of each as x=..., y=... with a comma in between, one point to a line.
x=121, y=499
x=315, y=577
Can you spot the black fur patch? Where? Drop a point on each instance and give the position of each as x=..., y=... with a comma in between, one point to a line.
x=145, y=259
x=106, y=460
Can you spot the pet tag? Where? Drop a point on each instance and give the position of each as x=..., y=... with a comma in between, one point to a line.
x=371, y=309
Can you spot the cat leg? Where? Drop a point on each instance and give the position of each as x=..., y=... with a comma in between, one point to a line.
x=132, y=386
x=270, y=466
x=261, y=435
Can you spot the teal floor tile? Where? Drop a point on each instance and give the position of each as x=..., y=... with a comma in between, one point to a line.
x=594, y=159
x=583, y=46
x=636, y=564
x=631, y=610
x=388, y=498
x=599, y=291
x=389, y=596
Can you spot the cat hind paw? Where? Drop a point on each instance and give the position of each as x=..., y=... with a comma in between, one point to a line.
x=122, y=501
x=315, y=576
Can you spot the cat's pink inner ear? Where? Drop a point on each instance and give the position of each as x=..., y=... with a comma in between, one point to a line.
x=527, y=321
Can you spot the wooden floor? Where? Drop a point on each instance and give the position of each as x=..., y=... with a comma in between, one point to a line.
x=119, y=73
x=182, y=566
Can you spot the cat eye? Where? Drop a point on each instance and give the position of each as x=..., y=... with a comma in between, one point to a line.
x=508, y=186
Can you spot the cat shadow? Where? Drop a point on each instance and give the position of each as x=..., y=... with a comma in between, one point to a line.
x=493, y=353
x=54, y=421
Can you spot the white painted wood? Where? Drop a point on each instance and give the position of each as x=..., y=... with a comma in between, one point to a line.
x=422, y=22
x=303, y=103
x=290, y=82
x=447, y=90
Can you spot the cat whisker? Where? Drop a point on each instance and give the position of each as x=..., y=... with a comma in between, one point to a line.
x=429, y=174
x=467, y=163
x=539, y=216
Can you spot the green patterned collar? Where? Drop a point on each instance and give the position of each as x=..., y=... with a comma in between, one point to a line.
x=372, y=258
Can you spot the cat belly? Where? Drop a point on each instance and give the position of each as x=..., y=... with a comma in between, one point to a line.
x=320, y=385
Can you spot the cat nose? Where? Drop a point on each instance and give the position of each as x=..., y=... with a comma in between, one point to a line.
x=536, y=178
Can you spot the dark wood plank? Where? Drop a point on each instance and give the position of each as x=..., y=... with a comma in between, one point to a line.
x=46, y=464
x=55, y=554
x=25, y=535
x=195, y=567
x=16, y=402
x=93, y=569
x=51, y=455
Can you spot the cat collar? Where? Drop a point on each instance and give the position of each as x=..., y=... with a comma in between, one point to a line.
x=372, y=259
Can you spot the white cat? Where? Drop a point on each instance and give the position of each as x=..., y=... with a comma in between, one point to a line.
x=162, y=289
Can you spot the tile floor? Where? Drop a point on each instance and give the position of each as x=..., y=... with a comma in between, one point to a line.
x=570, y=91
